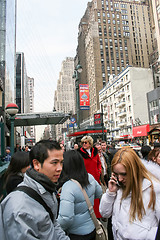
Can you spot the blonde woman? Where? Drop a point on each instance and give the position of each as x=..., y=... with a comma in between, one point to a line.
x=92, y=164
x=132, y=198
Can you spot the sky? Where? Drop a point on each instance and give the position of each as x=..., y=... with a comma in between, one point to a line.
x=47, y=33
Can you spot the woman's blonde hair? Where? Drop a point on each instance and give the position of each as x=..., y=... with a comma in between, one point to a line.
x=136, y=172
x=88, y=139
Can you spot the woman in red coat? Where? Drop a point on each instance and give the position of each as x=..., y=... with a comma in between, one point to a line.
x=92, y=163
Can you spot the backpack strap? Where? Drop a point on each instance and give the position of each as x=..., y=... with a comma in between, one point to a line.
x=33, y=194
x=158, y=232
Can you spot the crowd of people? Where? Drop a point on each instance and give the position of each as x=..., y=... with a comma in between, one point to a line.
x=18, y=148
x=123, y=187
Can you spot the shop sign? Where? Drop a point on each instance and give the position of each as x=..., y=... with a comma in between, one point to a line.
x=141, y=131
x=155, y=133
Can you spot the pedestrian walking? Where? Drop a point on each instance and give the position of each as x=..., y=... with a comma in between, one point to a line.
x=27, y=150
x=92, y=164
x=74, y=216
x=104, y=175
x=26, y=216
x=76, y=146
x=145, y=151
x=8, y=154
x=17, y=148
x=62, y=147
x=153, y=162
x=108, y=158
x=132, y=198
x=112, y=150
x=15, y=173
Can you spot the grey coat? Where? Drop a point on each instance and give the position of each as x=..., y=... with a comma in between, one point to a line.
x=25, y=218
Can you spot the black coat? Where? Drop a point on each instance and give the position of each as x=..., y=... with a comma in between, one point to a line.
x=13, y=182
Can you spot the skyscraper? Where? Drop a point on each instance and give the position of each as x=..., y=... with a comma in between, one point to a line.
x=155, y=55
x=112, y=35
x=7, y=61
x=64, y=99
x=31, y=100
x=22, y=94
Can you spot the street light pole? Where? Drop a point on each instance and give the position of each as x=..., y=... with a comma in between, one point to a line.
x=102, y=122
x=12, y=110
x=77, y=71
x=12, y=118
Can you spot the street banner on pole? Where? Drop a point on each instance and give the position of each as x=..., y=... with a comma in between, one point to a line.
x=98, y=119
x=84, y=97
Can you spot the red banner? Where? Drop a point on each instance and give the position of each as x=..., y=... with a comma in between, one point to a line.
x=97, y=118
x=84, y=96
x=141, y=131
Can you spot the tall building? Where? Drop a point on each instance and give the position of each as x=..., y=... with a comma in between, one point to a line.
x=31, y=100
x=7, y=60
x=22, y=91
x=22, y=95
x=112, y=35
x=155, y=55
x=64, y=98
x=154, y=106
x=124, y=100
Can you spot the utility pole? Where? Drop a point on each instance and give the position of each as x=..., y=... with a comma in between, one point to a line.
x=102, y=122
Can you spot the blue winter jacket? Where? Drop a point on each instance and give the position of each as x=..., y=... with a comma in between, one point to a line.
x=74, y=216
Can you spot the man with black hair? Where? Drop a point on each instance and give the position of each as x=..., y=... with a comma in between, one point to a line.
x=145, y=151
x=156, y=145
x=25, y=217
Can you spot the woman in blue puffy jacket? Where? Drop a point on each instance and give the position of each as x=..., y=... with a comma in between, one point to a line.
x=74, y=216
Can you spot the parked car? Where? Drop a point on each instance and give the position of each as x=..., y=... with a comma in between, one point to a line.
x=135, y=146
x=118, y=146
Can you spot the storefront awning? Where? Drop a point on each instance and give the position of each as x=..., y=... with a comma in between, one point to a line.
x=141, y=131
x=93, y=130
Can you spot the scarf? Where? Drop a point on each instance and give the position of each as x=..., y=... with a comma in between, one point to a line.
x=42, y=179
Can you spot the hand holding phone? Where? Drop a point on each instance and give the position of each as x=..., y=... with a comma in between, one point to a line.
x=113, y=183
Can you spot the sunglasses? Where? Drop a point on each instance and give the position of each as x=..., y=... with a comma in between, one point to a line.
x=85, y=142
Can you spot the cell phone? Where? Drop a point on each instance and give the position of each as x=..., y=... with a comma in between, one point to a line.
x=117, y=183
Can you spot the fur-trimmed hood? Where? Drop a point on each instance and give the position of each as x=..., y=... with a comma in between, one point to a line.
x=85, y=154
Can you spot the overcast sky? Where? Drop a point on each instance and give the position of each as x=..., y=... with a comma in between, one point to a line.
x=47, y=33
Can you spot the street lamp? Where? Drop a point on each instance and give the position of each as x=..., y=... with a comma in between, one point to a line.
x=102, y=122
x=12, y=110
x=78, y=70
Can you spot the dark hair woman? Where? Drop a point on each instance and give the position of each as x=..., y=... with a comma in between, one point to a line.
x=74, y=216
x=153, y=162
x=16, y=169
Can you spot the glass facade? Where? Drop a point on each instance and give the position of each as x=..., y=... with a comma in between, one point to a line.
x=8, y=47
x=18, y=83
x=22, y=91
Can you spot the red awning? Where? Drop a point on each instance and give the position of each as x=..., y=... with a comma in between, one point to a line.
x=123, y=136
x=140, y=131
x=85, y=132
